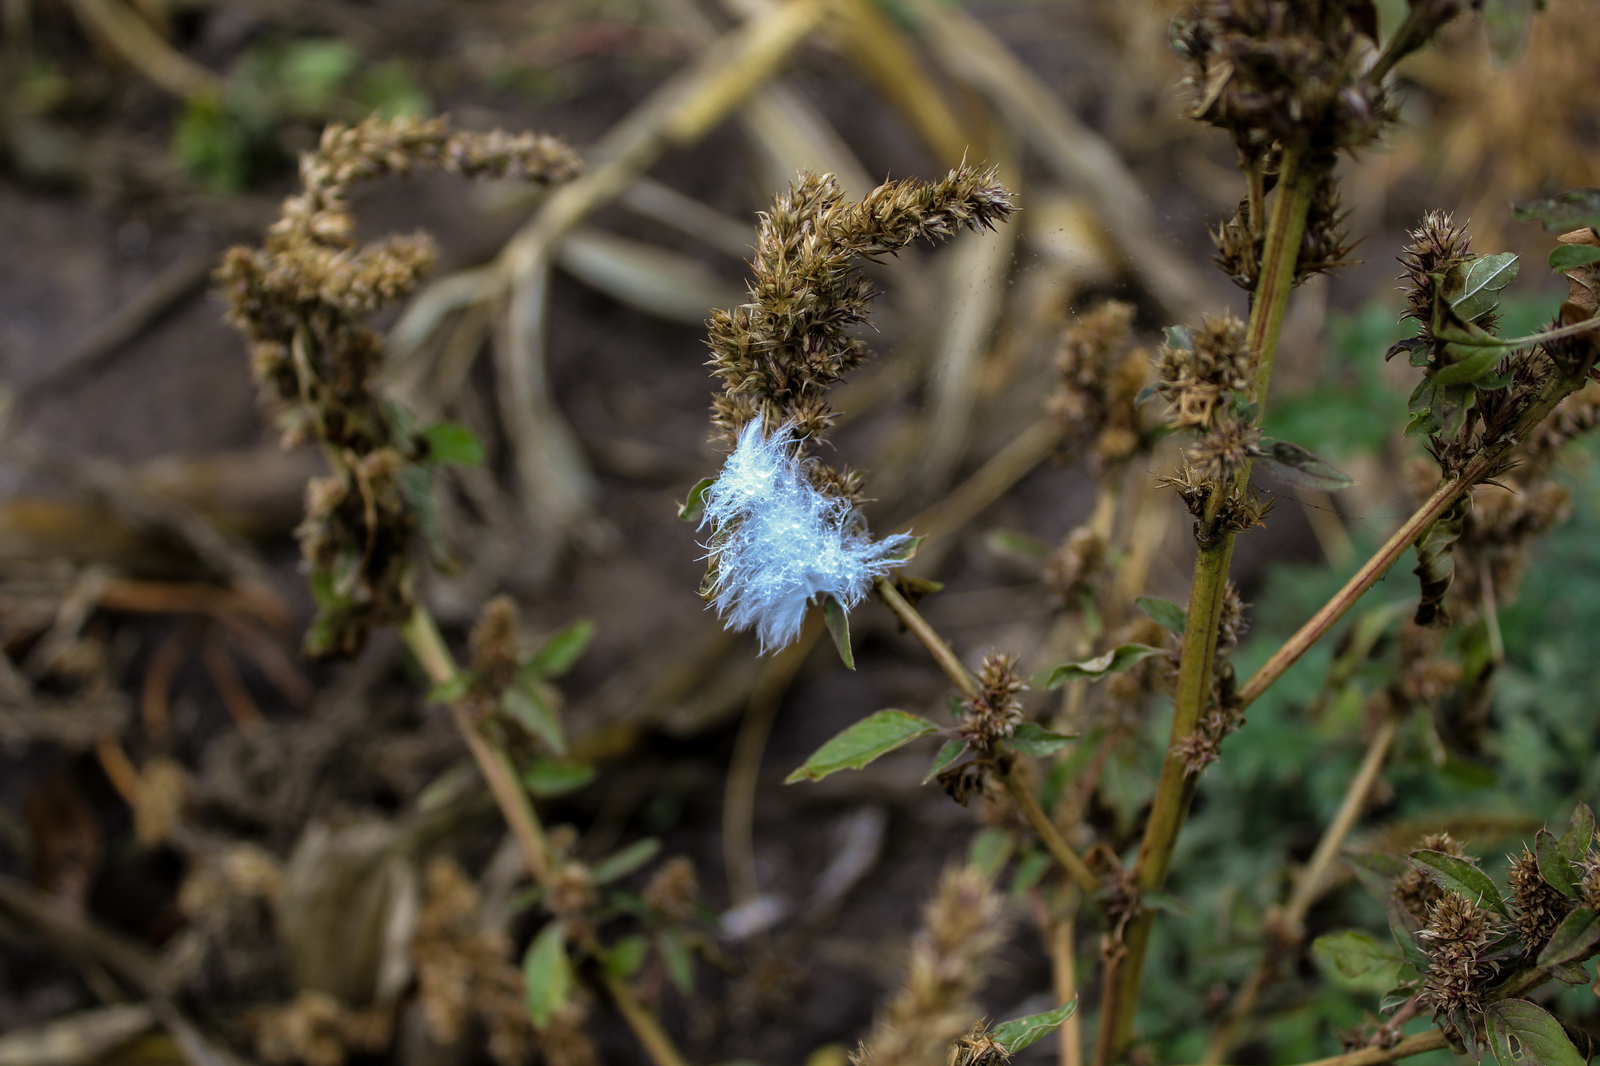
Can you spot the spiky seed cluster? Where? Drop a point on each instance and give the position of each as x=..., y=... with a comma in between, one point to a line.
x=1577, y=414
x=1497, y=532
x=961, y=928
x=496, y=656
x=1436, y=246
x=1424, y=677
x=978, y=1048
x=1102, y=375
x=300, y=300
x=1076, y=566
x=1287, y=71
x=1197, y=381
x=1203, y=746
x=1456, y=937
x=463, y=971
x=1325, y=245
x=778, y=354
x=996, y=712
x=673, y=889
x=1539, y=907
x=1415, y=891
x=1590, y=886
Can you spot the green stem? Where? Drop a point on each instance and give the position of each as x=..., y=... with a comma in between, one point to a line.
x=1054, y=842
x=422, y=636
x=1175, y=790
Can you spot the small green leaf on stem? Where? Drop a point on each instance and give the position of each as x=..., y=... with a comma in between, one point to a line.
x=449, y=691
x=1562, y=212
x=623, y=959
x=547, y=778
x=1297, y=466
x=530, y=703
x=1521, y=1034
x=450, y=442
x=1358, y=955
x=1169, y=614
x=1554, y=866
x=1018, y=1033
x=863, y=742
x=562, y=651
x=1571, y=256
x=838, y=622
x=1461, y=877
x=1486, y=276
x=990, y=850
x=1165, y=901
x=695, y=505
x=1116, y=661
x=1575, y=939
x=677, y=958
x=622, y=863
x=948, y=754
x=547, y=973
x=1029, y=738
x=1575, y=841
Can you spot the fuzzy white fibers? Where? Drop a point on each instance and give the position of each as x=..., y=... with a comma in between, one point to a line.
x=779, y=542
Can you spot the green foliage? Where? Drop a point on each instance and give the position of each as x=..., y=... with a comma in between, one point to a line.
x=838, y=622
x=1169, y=614
x=863, y=742
x=1521, y=1034
x=1118, y=660
x=1019, y=1033
x=547, y=973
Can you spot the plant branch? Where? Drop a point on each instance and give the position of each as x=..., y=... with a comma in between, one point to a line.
x=1432, y=1040
x=1175, y=788
x=1306, y=890
x=1054, y=842
x=657, y=1044
x=931, y=640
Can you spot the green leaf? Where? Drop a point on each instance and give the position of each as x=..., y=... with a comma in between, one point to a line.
x=1018, y=1033
x=625, y=957
x=1029, y=870
x=858, y=745
x=1576, y=840
x=622, y=863
x=1294, y=464
x=1169, y=614
x=1569, y=973
x=1116, y=661
x=548, y=777
x=1357, y=955
x=530, y=703
x=416, y=488
x=1403, y=926
x=1562, y=212
x=1156, y=900
x=678, y=959
x=1179, y=338
x=1521, y=1034
x=547, y=974
x=948, y=754
x=1486, y=276
x=1030, y=738
x=1574, y=940
x=1461, y=877
x=838, y=622
x=1570, y=256
x=1553, y=864
x=990, y=849
x=562, y=651
x=449, y=442
x=695, y=506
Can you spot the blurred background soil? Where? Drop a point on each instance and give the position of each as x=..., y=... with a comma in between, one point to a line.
x=159, y=723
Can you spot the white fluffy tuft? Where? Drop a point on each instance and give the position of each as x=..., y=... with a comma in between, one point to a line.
x=779, y=543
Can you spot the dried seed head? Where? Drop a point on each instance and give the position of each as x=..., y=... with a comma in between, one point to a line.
x=493, y=643
x=1456, y=936
x=1076, y=565
x=1223, y=451
x=673, y=889
x=1196, y=381
x=1436, y=246
x=961, y=929
x=1101, y=378
x=1415, y=891
x=997, y=711
x=1539, y=907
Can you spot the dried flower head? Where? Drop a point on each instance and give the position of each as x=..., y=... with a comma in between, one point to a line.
x=1073, y=569
x=779, y=353
x=673, y=889
x=1456, y=937
x=301, y=300
x=1539, y=907
x=996, y=712
x=961, y=928
x=1102, y=375
x=1201, y=380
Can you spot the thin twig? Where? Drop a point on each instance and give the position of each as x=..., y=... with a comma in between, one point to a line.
x=1049, y=835
x=931, y=640
x=1432, y=1040
x=1063, y=966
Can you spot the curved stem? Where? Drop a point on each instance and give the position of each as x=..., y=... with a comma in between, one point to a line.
x=657, y=1044
x=1054, y=842
x=1432, y=1040
x=919, y=627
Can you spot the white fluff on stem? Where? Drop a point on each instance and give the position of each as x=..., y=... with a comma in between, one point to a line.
x=779, y=543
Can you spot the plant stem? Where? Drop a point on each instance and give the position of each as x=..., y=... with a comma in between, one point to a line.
x=1306, y=891
x=1054, y=842
x=1432, y=1040
x=422, y=636
x=1297, y=180
x=1063, y=967
x=657, y=1044
x=931, y=640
